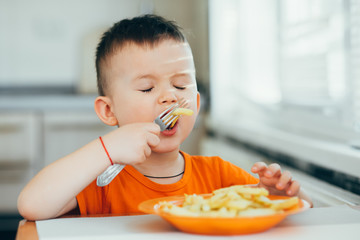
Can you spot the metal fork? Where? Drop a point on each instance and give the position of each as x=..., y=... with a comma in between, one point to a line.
x=164, y=120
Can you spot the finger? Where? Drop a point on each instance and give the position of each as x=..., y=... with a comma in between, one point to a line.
x=258, y=167
x=147, y=151
x=294, y=189
x=284, y=180
x=152, y=140
x=274, y=169
x=152, y=127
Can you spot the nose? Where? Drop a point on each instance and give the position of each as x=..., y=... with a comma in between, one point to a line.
x=167, y=96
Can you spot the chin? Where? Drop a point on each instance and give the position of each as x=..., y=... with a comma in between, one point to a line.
x=166, y=147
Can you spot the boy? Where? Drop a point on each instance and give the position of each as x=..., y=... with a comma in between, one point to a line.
x=143, y=65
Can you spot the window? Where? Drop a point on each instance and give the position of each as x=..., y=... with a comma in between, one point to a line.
x=290, y=65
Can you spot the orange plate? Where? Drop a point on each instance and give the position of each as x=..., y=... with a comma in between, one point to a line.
x=219, y=225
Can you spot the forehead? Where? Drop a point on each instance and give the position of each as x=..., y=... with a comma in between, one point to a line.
x=166, y=57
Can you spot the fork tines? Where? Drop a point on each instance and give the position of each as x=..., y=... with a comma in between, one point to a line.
x=167, y=118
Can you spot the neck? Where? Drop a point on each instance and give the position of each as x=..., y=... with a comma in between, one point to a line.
x=162, y=164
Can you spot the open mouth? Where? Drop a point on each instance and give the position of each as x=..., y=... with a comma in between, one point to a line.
x=173, y=125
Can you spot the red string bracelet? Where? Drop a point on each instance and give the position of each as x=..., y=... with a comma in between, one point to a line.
x=107, y=153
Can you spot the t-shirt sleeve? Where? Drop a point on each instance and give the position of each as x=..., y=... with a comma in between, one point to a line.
x=234, y=175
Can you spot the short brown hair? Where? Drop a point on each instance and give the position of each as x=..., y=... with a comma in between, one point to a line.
x=147, y=29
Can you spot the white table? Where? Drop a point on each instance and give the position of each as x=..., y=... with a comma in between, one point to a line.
x=339, y=222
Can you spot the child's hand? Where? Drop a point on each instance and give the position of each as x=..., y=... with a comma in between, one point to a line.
x=132, y=143
x=275, y=181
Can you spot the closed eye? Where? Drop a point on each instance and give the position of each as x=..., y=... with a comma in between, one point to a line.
x=180, y=88
x=147, y=90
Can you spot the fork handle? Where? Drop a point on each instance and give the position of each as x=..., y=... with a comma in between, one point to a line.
x=109, y=174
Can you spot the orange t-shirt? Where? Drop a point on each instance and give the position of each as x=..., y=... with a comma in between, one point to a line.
x=123, y=195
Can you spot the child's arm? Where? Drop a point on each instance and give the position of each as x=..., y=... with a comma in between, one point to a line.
x=52, y=192
x=277, y=182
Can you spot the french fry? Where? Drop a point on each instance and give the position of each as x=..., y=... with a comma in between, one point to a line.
x=252, y=212
x=244, y=190
x=284, y=204
x=240, y=204
x=183, y=111
x=180, y=111
x=174, y=121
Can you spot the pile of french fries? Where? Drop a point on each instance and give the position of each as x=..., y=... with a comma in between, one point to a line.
x=234, y=201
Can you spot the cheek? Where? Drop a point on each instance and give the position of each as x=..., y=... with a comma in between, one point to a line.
x=193, y=105
x=191, y=95
x=188, y=122
x=192, y=120
x=133, y=113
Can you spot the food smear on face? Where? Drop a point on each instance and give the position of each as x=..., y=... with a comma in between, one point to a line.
x=235, y=201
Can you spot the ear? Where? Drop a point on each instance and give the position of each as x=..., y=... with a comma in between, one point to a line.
x=198, y=102
x=103, y=108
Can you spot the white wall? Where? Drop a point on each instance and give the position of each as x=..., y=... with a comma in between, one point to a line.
x=49, y=42
x=41, y=40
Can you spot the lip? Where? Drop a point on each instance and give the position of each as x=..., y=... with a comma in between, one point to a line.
x=172, y=131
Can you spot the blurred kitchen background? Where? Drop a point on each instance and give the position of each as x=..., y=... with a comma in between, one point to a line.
x=279, y=79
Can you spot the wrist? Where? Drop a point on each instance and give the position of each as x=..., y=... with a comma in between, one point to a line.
x=106, y=151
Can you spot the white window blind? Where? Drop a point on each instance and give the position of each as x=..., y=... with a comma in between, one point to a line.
x=312, y=51
x=293, y=64
x=354, y=58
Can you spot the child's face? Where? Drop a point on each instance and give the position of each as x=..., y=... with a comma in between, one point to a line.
x=143, y=82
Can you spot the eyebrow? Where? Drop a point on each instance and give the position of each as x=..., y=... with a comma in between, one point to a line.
x=150, y=76
x=182, y=73
x=185, y=73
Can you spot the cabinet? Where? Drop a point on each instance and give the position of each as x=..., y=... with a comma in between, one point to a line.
x=19, y=146
x=19, y=154
x=32, y=139
x=67, y=131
